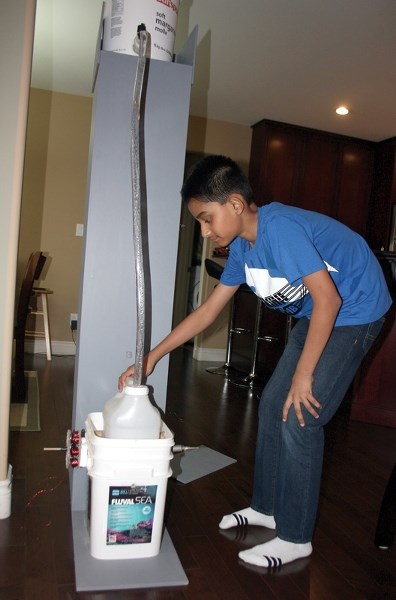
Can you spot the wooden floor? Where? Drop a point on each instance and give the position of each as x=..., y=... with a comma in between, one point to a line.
x=36, y=556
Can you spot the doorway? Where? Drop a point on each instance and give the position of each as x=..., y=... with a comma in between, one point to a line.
x=189, y=257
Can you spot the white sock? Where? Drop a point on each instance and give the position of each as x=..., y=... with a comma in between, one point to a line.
x=247, y=516
x=275, y=553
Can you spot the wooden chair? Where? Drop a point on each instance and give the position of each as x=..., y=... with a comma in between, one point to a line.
x=33, y=271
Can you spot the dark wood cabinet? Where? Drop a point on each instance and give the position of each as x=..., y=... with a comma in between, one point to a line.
x=317, y=186
x=374, y=390
x=312, y=169
x=274, y=162
x=354, y=186
x=374, y=398
x=383, y=198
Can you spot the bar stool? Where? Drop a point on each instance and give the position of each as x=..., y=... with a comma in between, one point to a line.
x=42, y=294
x=227, y=369
x=233, y=375
x=252, y=379
x=215, y=270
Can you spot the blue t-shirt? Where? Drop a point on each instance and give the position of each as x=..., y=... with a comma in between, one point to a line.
x=292, y=243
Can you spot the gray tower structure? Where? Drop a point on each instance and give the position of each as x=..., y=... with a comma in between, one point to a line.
x=107, y=311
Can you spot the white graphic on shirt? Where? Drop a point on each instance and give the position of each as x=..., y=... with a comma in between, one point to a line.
x=263, y=284
x=277, y=292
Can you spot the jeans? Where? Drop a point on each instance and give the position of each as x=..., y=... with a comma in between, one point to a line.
x=289, y=457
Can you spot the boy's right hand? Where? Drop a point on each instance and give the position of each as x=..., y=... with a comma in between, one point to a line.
x=148, y=368
x=124, y=376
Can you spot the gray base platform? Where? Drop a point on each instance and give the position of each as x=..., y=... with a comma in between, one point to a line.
x=187, y=467
x=164, y=570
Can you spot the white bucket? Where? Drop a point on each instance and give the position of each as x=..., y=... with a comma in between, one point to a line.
x=121, y=20
x=5, y=495
x=128, y=481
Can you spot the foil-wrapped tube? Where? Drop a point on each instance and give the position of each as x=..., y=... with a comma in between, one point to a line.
x=136, y=208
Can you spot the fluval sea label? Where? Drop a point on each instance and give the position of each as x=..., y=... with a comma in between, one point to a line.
x=130, y=514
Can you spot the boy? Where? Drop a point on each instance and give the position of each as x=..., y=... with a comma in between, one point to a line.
x=316, y=269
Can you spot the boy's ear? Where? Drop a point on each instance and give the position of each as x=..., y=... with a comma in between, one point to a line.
x=237, y=203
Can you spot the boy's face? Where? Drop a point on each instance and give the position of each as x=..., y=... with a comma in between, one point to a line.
x=219, y=222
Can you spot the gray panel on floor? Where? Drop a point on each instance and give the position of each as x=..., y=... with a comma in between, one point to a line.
x=197, y=463
x=164, y=570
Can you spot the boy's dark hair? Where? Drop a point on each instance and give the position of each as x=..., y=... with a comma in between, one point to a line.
x=213, y=179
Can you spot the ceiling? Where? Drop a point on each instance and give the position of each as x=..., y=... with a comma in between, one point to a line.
x=293, y=61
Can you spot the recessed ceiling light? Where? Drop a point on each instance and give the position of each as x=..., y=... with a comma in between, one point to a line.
x=342, y=110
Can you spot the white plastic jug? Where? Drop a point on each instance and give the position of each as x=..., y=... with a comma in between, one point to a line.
x=130, y=415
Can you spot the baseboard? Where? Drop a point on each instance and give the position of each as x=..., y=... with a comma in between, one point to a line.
x=58, y=347
x=209, y=354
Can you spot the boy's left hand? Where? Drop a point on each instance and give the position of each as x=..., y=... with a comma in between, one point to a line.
x=300, y=394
